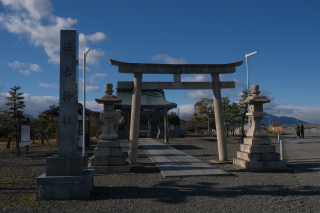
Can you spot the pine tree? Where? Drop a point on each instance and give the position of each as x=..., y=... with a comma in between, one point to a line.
x=226, y=112
x=15, y=106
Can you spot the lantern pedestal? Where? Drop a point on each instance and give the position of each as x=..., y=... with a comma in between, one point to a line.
x=108, y=156
x=256, y=152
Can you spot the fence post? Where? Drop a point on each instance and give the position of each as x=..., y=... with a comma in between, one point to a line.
x=281, y=150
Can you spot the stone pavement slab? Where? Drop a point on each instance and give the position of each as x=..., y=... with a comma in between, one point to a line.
x=303, y=156
x=174, y=163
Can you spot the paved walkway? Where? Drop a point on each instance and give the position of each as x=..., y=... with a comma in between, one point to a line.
x=174, y=163
x=304, y=157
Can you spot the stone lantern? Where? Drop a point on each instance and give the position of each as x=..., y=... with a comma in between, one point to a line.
x=256, y=112
x=256, y=152
x=108, y=156
x=108, y=113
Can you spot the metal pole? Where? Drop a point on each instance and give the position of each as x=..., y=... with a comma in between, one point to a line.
x=279, y=137
x=281, y=150
x=84, y=103
x=248, y=92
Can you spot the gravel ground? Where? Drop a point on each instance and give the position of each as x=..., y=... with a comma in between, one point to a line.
x=146, y=190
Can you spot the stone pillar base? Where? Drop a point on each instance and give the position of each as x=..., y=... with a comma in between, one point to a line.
x=65, y=187
x=109, y=158
x=259, y=154
x=99, y=170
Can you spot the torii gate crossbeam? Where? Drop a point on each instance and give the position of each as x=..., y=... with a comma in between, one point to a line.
x=176, y=69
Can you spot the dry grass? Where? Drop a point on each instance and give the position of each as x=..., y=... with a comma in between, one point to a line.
x=274, y=131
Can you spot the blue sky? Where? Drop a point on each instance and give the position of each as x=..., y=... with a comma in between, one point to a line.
x=285, y=34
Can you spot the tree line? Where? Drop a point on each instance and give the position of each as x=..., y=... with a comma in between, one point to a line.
x=43, y=127
x=203, y=116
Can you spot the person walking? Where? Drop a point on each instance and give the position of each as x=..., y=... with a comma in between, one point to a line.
x=297, y=128
x=302, y=131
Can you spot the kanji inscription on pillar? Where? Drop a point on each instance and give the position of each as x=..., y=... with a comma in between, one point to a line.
x=68, y=101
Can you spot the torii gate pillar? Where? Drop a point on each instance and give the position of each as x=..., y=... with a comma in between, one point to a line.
x=218, y=113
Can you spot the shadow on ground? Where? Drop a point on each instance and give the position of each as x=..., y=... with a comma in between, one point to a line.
x=172, y=191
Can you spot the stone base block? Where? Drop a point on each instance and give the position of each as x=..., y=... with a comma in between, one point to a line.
x=257, y=141
x=111, y=169
x=105, y=152
x=65, y=187
x=257, y=148
x=260, y=164
x=108, y=161
x=249, y=156
x=108, y=143
x=64, y=166
x=270, y=156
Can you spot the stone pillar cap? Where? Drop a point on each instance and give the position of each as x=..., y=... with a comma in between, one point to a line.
x=255, y=98
x=108, y=98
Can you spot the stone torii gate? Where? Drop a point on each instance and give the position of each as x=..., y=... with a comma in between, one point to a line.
x=176, y=69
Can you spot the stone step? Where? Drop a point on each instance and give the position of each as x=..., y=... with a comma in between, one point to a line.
x=106, y=152
x=257, y=148
x=108, y=161
x=259, y=164
x=110, y=169
x=108, y=143
x=258, y=156
x=257, y=141
x=249, y=156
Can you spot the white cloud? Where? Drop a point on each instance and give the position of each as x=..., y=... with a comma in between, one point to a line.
x=25, y=72
x=198, y=94
x=92, y=89
x=308, y=114
x=91, y=80
x=168, y=60
x=93, y=105
x=197, y=78
x=97, y=37
x=185, y=108
x=207, y=78
x=95, y=55
x=48, y=85
x=101, y=75
x=34, y=104
x=33, y=67
x=89, y=88
x=24, y=18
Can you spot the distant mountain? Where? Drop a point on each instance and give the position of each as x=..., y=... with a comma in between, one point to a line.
x=283, y=120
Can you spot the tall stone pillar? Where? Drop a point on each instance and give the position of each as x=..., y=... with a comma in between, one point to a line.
x=65, y=176
x=165, y=125
x=68, y=94
x=218, y=111
x=135, y=118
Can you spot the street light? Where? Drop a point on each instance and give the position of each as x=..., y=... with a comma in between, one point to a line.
x=85, y=53
x=248, y=92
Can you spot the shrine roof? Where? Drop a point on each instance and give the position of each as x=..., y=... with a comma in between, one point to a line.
x=149, y=99
x=55, y=111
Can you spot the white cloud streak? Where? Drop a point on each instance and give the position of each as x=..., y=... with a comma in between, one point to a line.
x=168, y=60
x=54, y=86
x=33, y=67
x=24, y=17
x=25, y=72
